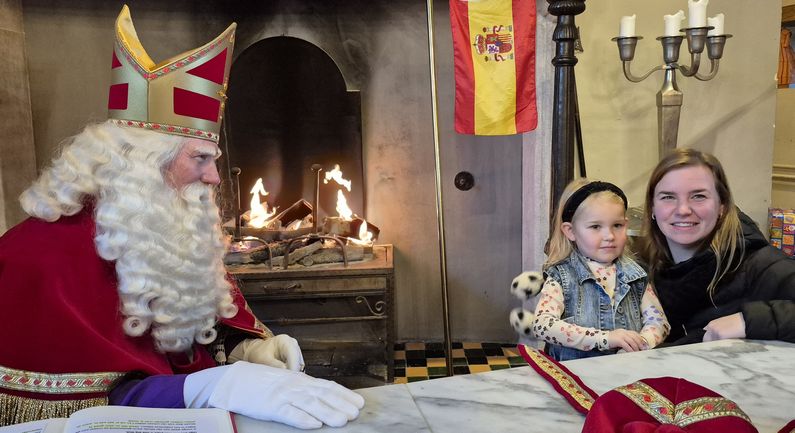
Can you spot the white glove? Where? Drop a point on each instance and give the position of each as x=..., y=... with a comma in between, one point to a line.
x=273, y=394
x=280, y=351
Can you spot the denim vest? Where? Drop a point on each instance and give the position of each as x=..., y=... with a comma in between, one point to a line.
x=587, y=304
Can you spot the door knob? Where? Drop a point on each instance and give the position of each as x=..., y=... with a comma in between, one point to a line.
x=464, y=181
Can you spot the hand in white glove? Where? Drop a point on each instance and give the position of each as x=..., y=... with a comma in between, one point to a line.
x=273, y=394
x=281, y=351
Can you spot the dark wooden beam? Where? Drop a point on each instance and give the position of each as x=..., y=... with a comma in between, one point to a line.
x=565, y=96
x=788, y=15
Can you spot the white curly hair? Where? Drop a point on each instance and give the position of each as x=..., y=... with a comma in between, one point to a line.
x=167, y=244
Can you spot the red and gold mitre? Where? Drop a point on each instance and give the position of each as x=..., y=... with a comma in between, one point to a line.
x=183, y=95
x=665, y=405
x=654, y=405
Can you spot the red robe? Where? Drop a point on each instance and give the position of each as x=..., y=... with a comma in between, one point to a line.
x=61, y=326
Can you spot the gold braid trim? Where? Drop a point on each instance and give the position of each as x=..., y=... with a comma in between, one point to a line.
x=564, y=380
x=15, y=409
x=57, y=383
x=683, y=413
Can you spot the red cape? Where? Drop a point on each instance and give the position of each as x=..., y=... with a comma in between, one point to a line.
x=61, y=315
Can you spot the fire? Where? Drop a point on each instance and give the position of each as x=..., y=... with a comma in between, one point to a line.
x=336, y=175
x=259, y=215
x=365, y=237
x=346, y=214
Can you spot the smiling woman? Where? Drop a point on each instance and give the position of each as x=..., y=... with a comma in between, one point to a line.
x=686, y=208
x=715, y=273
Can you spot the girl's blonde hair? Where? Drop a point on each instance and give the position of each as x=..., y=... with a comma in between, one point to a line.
x=726, y=240
x=560, y=247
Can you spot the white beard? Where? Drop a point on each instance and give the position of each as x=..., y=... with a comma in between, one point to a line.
x=167, y=245
x=168, y=249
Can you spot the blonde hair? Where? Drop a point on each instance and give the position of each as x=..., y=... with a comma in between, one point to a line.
x=726, y=240
x=167, y=245
x=560, y=247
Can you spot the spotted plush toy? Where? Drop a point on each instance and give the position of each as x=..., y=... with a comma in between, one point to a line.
x=526, y=287
x=527, y=284
x=521, y=320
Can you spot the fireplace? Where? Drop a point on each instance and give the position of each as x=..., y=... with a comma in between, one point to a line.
x=289, y=109
x=293, y=151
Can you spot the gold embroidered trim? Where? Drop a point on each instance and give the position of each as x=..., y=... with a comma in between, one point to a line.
x=566, y=382
x=49, y=383
x=168, y=129
x=15, y=409
x=684, y=413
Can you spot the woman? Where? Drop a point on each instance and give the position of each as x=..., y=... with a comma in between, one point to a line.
x=714, y=272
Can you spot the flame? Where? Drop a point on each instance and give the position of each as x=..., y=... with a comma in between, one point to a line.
x=365, y=237
x=346, y=214
x=336, y=175
x=259, y=213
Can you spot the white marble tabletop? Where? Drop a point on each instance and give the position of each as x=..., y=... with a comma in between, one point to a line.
x=757, y=375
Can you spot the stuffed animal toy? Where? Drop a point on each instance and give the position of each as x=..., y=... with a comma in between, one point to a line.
x=526, y=286
x=521, y=320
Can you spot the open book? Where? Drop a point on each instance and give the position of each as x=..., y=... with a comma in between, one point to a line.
x=124, y=419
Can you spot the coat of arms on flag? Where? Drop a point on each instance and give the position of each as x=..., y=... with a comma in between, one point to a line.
x=494, y=55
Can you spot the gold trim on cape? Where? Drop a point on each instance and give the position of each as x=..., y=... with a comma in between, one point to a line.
x=15, y=409
x=683, y=413
x=564, y=380
x=50, y=383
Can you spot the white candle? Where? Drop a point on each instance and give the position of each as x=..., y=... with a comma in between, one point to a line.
x=697, y=12
x=717, y=22
x=673, y=23
x=626, y=27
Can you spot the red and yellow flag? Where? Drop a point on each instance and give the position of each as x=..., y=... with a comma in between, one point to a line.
x=494, y=51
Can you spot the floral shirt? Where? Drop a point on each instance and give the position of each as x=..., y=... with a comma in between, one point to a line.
x=549, y=326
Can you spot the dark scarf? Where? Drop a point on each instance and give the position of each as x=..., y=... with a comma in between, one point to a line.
x=682, y=289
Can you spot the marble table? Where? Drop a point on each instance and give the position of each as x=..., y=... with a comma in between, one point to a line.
x=758, y=375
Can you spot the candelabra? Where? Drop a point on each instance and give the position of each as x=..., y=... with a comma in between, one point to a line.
x=669, y=98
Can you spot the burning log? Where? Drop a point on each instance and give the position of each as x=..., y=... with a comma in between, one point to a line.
x=337, y=226
x=333, y=255
x=242, y=257
x=278, y=249
x=298, y=254
x=299, y=210
x=284, y=225
x=357, y=224
x=350, y=229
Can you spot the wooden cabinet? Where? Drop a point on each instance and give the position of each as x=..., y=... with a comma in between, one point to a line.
x=343, y=317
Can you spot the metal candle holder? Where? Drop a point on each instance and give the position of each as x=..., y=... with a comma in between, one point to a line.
x=669, y=98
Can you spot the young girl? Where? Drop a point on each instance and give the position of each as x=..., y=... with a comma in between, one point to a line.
x=595, y=300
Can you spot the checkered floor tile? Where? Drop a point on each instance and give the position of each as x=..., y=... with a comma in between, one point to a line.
x=422, y=361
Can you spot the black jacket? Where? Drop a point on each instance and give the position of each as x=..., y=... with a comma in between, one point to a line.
x=762, y=288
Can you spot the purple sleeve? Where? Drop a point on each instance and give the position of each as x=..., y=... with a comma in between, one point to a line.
x=153, y=391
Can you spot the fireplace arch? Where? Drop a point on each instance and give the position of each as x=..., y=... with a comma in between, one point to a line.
x=289, y=108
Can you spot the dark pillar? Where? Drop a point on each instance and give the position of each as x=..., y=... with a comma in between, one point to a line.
x=563, y=122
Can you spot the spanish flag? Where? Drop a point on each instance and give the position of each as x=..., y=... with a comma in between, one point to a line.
x=494, y=52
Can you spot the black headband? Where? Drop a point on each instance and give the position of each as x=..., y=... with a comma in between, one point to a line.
x=584, y=192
